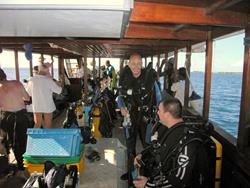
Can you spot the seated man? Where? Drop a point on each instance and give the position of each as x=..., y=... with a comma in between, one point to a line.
x=13, y=116
x=178, y=88
x=176, y=160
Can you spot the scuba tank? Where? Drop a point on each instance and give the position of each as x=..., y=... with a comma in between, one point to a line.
x=127, y=124
x=80, y=116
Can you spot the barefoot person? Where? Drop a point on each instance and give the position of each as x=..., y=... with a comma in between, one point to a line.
x=13, y=119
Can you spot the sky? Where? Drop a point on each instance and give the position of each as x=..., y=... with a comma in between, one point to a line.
x=227, y=57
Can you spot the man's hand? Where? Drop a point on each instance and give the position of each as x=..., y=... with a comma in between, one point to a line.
x=140, y=182
x=124, y=111
x=137, y=159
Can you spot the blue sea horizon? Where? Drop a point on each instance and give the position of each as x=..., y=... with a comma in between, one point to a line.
x=225, y=98
x=225, y=95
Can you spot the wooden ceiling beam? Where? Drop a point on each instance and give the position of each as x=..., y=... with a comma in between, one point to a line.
x=153, y=42
x=230, y=3
x=166, y=13
x=83, y=42
x=215, y=6
x=41, y=45
x=41, y=50
x=221, y=4
x=162, y=32
x=196, y=3
x=179, y=27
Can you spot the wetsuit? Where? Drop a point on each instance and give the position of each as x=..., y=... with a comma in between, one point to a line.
x=140, y=105
x=176, y=164
x=110, y=71
x=15, y=124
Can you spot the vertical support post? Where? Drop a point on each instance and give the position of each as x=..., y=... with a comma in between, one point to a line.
x=121, y=64
x=99, y=71
x=187, y=82
x=243, y=133
x=42, y=58
x=158, y=66
x=165, y=69
x=208, y=75
x=152, y=58
x=175, y=64
x=31, y=68
x=52, y=66
x=145, y=62
x=85, y=69
x=17, y=65
x=94, y=70
x=61, y=70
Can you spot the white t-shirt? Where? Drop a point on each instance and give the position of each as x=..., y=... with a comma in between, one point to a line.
x=179, y=88
x=41, y=88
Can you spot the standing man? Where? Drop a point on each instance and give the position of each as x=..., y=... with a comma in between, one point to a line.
x=13, y=119
x=176, y=163
x=110, y=71
x=137, y=100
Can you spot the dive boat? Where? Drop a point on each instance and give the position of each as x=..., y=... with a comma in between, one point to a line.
x=78, y=30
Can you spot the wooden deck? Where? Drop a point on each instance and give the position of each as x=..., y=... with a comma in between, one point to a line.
x=106, y=172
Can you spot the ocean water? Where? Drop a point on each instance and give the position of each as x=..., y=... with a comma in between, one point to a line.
x=225, y=98
x=225, y=95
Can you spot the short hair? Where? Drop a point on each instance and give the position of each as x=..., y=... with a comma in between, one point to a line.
x=35, y=68
x=2, y=75
x=134, y=54
x=108, y=62
x=173, y=106
x=171, y=61
x=42, y=69
x=182, y=72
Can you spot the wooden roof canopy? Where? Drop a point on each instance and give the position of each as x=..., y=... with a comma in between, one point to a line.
x=154, y=27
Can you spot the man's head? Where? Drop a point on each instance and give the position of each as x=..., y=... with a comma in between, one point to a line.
x=2, y=75
x=107, y=63
x=42, y=69
x=135, y=64
x=182, y=73
x=170, y=111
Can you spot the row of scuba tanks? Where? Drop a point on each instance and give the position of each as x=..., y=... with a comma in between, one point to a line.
x=93, y=116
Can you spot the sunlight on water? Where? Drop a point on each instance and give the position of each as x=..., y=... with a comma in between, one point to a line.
x=225, y=98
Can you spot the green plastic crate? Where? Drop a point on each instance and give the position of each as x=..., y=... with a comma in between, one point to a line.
x=57, y=160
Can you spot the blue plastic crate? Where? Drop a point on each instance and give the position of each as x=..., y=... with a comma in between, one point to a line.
x=53, y=142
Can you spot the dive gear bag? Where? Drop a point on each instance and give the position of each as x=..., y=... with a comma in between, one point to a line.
x=54, y=177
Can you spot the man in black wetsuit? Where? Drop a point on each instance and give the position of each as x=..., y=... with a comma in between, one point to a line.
x=13, y=119
x=176, y=156
x=137, y=99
